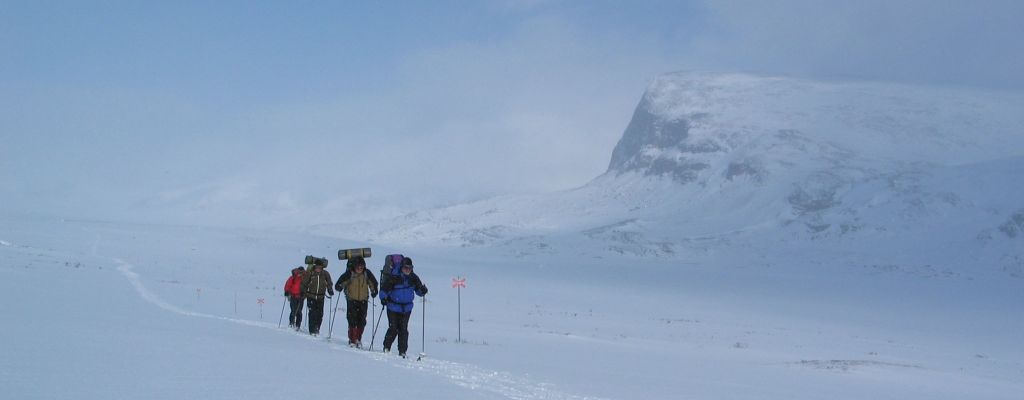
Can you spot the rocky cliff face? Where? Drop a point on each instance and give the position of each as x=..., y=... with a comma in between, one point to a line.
x=655, y=145
x=696, y=127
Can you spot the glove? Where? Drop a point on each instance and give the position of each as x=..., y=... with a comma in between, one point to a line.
x=424, y=287
x=285, y=294
x=383, y=301
x=373, y=294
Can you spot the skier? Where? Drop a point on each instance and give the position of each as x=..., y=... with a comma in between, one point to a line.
x=359, y=286
x=315, y=285
x=397, y=293
x=293, y=291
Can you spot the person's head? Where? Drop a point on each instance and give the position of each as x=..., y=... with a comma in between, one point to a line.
x=407, y=266
x=297, y=270
x=358, y=264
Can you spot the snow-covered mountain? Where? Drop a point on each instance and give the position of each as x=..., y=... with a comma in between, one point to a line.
x=713, y=162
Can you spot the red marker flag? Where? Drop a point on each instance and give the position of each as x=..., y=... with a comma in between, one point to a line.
x=458, y=282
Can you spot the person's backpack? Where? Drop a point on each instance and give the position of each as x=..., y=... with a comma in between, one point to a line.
x=391, y=271
x=317, y=285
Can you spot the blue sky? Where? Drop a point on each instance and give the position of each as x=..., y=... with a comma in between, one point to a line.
x=113, y=105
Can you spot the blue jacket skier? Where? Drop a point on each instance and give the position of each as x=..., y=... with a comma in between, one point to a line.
x=398, y=292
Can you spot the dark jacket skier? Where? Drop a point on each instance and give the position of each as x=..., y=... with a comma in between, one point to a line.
x=359, y=285
x=398, y=292
x=315, y=286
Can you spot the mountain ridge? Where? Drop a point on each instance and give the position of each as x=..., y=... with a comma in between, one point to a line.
x=714, y=162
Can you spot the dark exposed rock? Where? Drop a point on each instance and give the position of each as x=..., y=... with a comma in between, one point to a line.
x=1015, y=226
x=657, y=146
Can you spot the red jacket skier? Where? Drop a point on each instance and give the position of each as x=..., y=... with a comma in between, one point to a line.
x=293, y=290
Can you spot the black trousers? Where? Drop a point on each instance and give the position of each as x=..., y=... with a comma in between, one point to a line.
x=295, y=318
x=356, y=313
x=398, y=326
x=316, y=313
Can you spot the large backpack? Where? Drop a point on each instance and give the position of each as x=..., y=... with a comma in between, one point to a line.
x=316, y=284
x=391, y=270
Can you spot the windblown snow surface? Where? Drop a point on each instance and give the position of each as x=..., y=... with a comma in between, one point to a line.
x=753, y=238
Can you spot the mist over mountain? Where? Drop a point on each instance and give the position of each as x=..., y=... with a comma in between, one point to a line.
x=883, y=174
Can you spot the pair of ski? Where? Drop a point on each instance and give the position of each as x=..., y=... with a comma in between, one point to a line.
x=419, y=357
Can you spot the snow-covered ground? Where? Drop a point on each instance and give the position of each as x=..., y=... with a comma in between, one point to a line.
x=753, y=238
x=102, y=310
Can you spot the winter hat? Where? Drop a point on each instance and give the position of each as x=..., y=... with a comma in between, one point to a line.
x=407, y=262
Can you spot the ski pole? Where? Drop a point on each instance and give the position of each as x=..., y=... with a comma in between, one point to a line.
x=372, y=318
x=279, y=319
x=330, y=319
x=306, y=311
x=374, y=335
x=423, y=338
x=374, y=328
x=334, y=313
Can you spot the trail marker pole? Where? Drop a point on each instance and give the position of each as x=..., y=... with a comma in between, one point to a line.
x=458, y=284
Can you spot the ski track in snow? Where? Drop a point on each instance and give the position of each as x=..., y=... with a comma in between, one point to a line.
x=464, y=375
x=126, y=269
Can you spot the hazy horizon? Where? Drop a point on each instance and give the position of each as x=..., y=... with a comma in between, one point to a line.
x=122, y=109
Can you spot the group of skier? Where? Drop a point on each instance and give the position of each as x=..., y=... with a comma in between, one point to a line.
x=398, y=289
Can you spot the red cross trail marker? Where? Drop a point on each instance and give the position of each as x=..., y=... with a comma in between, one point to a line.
x=458, y=282
x=260, y=302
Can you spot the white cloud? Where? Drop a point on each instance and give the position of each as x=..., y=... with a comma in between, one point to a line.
x=925, y=41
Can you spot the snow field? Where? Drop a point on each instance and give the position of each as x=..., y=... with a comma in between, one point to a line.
x=120, y=317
